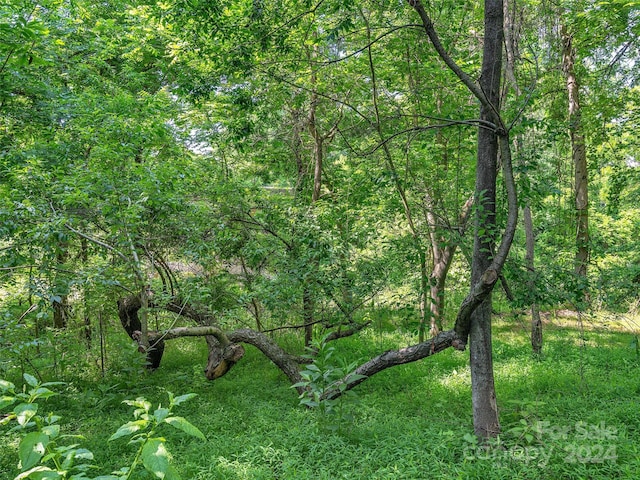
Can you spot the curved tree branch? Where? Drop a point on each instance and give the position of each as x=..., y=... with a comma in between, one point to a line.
x=392, y=358
x=285, y=362
x=471, y=84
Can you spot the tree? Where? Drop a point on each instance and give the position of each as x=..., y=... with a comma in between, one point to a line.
x=485, y=266
x=579, y=154
x=278, y=164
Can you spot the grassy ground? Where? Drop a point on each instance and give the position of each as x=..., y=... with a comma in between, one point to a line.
x=573, y=414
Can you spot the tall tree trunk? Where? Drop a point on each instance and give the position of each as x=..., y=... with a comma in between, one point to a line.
x=318, y=157
x=485, y=409
x=473, y=321
x=536, y=322
x=578, y=153
x=84, y=255
x=61, y=303
x=307, y=314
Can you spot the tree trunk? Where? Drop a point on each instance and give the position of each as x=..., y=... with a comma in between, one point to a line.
x=536, y=322
x=474, y=316
x=61, y=304
x=437, y=282
x=579, y=155
x=128, y=308
x=391, y=358
x=84, y=255
x=307, y=313
x=485, y=410
x=400, y=189
x=60, y=312
x=221, y=358
x=442, y=252
x=318, y=156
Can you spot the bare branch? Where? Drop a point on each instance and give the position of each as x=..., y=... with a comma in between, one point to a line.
x=97, y=242
x=392, y=358
x=375, y=40
x=200, y=331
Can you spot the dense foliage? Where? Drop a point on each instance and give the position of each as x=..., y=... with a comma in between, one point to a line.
x=299, y=166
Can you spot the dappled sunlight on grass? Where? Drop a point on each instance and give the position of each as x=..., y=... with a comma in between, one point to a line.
x=457, y=380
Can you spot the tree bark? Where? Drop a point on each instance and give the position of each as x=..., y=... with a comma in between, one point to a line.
x=481, y=289
x=442, y=252
x=392, y=358
x=221, y=357
x=61, y=308
x=225, y=349
x=578, y=153
x=128, y=308
x=485, y=410
x=536, y=322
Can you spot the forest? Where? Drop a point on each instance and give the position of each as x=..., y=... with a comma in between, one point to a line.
x=319, y=239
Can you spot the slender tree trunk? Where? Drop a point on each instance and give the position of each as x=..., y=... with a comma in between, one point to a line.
x=425, y=302
x=60, y=311
x=485, y=410
x=442, y=252
x=424, y=291
x=579, y=155
x=437, y=282
x=61, y=306
x=536, y=322
x=318, y=157
x=473, y=321
x=84, y=253
x=307, y=314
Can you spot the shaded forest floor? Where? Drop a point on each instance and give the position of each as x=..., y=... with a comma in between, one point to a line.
x=572, y=414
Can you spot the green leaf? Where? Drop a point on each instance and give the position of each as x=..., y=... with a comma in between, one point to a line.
x=183, y=398
x=40, y=472
x=354, y=377
x=160, y=414
x=129, y=428
x=182, y=424
x=7, y=386
x=309, y=402
x=140, y=403
x=25, y=412
x=155, y=457
x=30, y=379
x=84, y=454
x=171, y=474
x=50, y=384
x=42, y=393
x=32, y=449
x=51, y=418
x=5, y=401
x=51, y=430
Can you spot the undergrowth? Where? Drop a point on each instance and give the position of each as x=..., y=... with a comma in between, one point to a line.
x=571, y=414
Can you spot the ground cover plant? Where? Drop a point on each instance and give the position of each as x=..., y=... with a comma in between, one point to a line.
x=571, y=414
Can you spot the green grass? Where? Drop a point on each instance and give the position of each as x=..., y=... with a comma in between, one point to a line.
x=410, y=422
